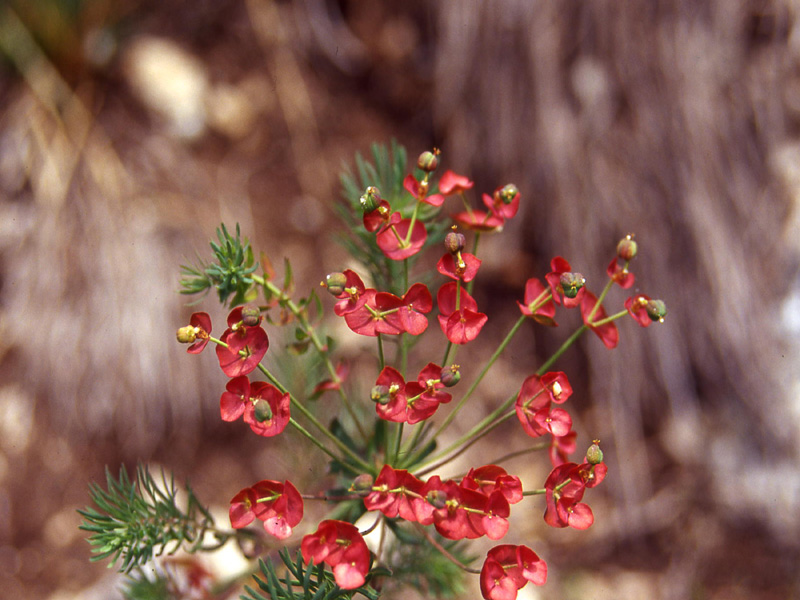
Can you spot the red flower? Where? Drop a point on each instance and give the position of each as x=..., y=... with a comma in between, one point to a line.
x=381, y=218
x=389, y=394
x=478, y=220
x=430, y=379
x=246, y=346
x=409, y=311
x=557, y=385
x=491, y=478
x=498, y=207
x=619, y=274
x=565, y=488
x=534, y=409
x=420, y=192
x=341, y=547
x=637, y=308
x=607, y=332
x=560, y=266
x=462, y=266
x=459, y=319
x=538, y=303
x=393, y=493
x=235, y=399
x=507, y=569
x=451, y=183
x=392, y=240
x=267, y=413
x=352, y=297
x=561, y=447
x=368, y=319
x=279, y=505
x=201, y=324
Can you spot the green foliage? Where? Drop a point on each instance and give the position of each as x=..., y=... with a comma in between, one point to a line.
x=386, y=172
x=304, y=582
x=230, y=274
x=139, y=520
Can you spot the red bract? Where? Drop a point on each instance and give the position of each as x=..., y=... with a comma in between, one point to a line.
x=391, y=405
x=429, y=378
x=201, y=323
x=246, y=346
x=381, y=218
x=565, y=488
x=367, y=318
x=351, y=297
x=234, y=400
x=279, y=505
x=342, y=371
x=534, y=409
x=637, y=308
x=560, y=266
x=420, y=192
x=462, y=324
x=607, y=332
x=491, y=478
x=393, y=493
x=409, y=311
x=463, y=266
x=341, y=547
x=561, y=447
x=478, y=220
x=538, y=303
x=451, y=183
x=507, y=569
x=392, y=241
x=267, y=413
x=419, y=406
x=557, y=385
x=498, y=207
x=620, y=274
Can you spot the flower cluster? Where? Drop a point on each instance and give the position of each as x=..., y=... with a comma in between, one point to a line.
x=394, y=471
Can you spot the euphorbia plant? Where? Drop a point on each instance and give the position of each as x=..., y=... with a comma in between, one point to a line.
x=385, y=445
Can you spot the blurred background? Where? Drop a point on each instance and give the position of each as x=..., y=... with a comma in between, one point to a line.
x=130, y=129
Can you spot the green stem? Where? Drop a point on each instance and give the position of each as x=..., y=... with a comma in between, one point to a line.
x=381, y=358
x=483, y=373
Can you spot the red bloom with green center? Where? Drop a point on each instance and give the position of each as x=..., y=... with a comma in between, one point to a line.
x=607, y=332
x=420, y=192
x=637, y=308
x=235, y=399
x=241, y=509
x=279, y=505
x=462, y=266
x=246, y=346
x=534, y=409
x=507, y=569
x=341, y=547
x=352, y=296
x=395, y=242
x=368, y=319
x=452, y=183
x=419, y=405
x=267, y=413
x=478, y=220
x=620, y=274
x=500, y=208
x=538, y=303
x=389, y=395
x=459, y=319
x=565, y=488
x=430, y=379
x=200, y=324
x=560, y=266
x=381, y=218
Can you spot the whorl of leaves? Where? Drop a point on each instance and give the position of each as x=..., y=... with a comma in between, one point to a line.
x=135, y=521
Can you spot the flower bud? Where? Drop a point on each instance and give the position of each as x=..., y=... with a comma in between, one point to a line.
x=626, y=249
x=251, y=315
x=371, y=199
x=335, y=282
x=572, y=283
x=362, y=483
x=428, y=161
x=187, y=335
x=454, y=242
x=381, y=394
x=262, y=412
x=450, y=375
x=594, y=456
x=508, y=193
x=656, y=310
